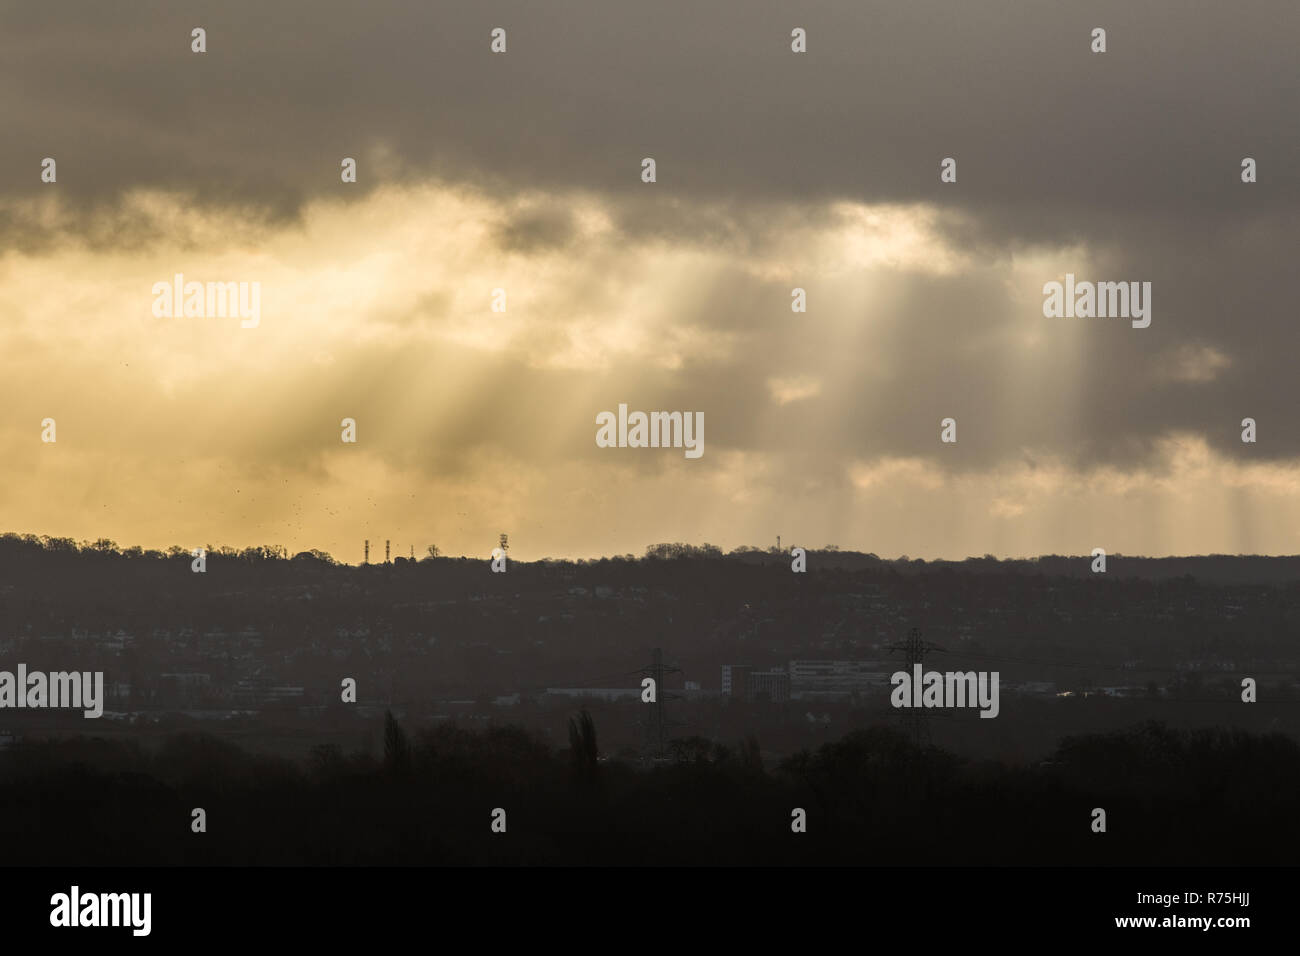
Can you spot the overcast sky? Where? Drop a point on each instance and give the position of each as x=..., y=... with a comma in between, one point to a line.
x=775, y=170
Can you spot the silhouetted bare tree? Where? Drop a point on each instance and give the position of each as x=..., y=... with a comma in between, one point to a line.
x=582, y=747
x=397, y=749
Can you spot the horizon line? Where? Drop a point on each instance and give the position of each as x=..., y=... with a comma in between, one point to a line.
x=700, y=551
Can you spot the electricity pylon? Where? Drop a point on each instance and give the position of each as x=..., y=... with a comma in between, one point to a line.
x=914, y=651
x=657, y=721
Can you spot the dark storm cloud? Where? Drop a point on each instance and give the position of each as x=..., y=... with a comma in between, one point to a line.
x=1157, y=124
x=532, y=229
x=1133, y=154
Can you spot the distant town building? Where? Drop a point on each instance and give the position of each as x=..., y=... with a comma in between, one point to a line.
x=743, y=682
x=773, y=685
x=836, y=678
x=603, y=693
x=735, y=681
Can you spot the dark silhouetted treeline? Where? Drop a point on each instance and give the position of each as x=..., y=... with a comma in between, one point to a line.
x=1171, y=798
